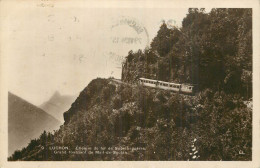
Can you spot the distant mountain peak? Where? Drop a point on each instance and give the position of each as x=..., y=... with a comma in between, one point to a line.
x=58, y=104
x=56, y=94
x=26, y=121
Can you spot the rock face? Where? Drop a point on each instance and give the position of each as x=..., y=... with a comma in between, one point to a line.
x=84, y=100
x=26, y=122
x=57, y=105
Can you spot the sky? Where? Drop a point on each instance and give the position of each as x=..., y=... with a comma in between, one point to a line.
x=63, y=49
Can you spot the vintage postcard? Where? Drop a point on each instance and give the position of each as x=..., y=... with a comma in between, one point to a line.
x=150, y=83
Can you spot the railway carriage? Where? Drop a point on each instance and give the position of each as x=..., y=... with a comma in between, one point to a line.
x=148, y=82
x=184, y=88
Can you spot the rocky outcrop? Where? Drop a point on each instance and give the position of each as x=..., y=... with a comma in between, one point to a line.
x=85, y=100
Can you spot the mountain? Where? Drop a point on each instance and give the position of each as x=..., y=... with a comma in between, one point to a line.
x=132, y=122
x=124, y=120
x=57, y=105
x=26, y=122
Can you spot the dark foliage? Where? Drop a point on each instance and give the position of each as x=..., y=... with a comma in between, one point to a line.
x=164, y=123
x=212, y=50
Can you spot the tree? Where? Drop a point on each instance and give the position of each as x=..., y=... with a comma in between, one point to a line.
x=163, y=42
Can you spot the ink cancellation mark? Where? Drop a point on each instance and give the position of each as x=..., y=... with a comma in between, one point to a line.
x=141, y=37
x=126, y=33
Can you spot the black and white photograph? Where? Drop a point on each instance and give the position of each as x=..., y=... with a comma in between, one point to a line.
x=127, y=83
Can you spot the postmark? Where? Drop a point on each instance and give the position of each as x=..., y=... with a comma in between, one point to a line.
x=125, y=34
x=140, y=36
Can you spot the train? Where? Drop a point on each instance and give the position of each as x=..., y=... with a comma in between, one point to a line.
x=183, y=88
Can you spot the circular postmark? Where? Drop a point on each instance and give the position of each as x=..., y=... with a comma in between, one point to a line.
x=140, y=36
x=125, y=34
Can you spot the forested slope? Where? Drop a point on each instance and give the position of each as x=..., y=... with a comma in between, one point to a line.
x=212, y=50
x=108, y=114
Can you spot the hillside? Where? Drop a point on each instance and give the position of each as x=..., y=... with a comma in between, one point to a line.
x=26, y=122
x=57, y=105
x=123, y=120
x=210, y=50
x=165, y=124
